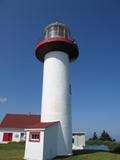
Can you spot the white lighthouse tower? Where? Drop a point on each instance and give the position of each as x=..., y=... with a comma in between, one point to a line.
x=52, y=136
x=57, y=51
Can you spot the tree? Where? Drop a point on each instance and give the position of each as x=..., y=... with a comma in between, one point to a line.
x=105, y=136
x=95, y=137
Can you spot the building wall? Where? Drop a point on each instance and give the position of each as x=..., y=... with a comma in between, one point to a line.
x=46, y=148
x=82, y=140
x=50, y=142
x=79, y=141
x=16, y=134
x=34, y=150
x=1, y=136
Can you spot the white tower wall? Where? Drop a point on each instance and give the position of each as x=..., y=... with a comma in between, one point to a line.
x=56, y=98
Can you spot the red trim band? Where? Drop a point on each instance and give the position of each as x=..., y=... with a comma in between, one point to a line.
x=57, y=44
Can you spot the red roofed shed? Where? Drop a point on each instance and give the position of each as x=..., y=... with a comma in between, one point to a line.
x=12, y=127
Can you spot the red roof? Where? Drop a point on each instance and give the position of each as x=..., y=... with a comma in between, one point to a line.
x=42, y=125
x=19, y=120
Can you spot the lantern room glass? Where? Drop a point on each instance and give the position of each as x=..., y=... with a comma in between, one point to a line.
x=56, y=30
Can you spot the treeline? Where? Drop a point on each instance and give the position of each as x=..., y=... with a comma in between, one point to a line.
x=105, y=136
x=104, y=139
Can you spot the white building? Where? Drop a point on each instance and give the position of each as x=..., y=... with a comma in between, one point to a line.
x=78, y=140
x=38, y=135
x=13, y=125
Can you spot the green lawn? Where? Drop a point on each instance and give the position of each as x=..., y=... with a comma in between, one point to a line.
x=95, y=156
x=15, y=151
x=11, y=151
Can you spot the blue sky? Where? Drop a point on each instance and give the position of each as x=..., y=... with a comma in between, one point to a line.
x=95, y=76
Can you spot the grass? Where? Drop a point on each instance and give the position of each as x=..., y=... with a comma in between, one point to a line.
x=15, y=151
x=95, y=156
x=11, y=151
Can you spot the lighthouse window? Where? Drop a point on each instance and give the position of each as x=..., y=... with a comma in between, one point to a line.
x=70, y=91
x=34, y=137
x=57, y=31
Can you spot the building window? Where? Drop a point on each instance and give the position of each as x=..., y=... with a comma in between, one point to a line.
x=70, y=90
x=16, y=135
x=22, y=137
x=34, y=136
x=72, y=140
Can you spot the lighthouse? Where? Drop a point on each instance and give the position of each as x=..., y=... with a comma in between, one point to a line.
x=57, y=51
